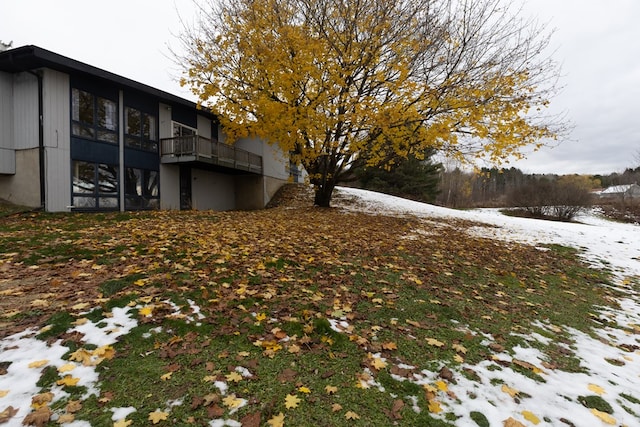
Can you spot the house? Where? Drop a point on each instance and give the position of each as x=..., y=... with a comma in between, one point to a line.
x=76, y=137
x=621, y=192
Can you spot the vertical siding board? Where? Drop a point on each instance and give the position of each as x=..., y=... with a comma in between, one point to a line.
x=25, y=107
x=7, y=153
x=57, y=140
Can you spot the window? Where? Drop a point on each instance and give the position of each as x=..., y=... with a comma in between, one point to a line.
x=95, y=185
x=93, y=117
x=141, y=189
x=141, y=130
x=182, y=130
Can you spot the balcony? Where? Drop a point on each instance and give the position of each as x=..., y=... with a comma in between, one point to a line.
x=197, y=149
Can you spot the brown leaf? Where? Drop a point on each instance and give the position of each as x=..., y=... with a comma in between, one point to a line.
x=73, y=406
x=510, y=422
x=7, y=414
x=446, y=374
x=215, y=411
x=39, y=417
x=251, y=420
x=288, y=375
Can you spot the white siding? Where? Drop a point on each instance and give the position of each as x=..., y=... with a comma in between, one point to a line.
x=6, y=111
x=164, y=115
x=169, y=187
x=57, y=139
x=204, y=127
x=25, y=111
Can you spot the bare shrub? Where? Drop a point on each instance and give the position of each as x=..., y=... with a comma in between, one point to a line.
x=560, y=200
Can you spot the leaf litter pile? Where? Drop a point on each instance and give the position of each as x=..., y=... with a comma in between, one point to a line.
x=304, y=316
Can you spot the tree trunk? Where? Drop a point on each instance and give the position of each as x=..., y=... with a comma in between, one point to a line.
x=323, y=195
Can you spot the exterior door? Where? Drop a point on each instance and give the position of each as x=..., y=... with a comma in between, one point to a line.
x=185, y=188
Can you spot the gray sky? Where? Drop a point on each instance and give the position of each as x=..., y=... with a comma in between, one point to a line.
x=596, y=41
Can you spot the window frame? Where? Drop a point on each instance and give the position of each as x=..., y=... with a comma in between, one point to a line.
x=147, y=201
x=140, y=140
x=93, y=190
x=104, y=117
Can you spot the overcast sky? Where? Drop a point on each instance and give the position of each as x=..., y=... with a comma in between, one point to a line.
x=596, y=41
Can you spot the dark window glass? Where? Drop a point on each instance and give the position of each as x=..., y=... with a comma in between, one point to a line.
x=93, y=117
x=95, y=185
x=141, y=189
x=141, y=130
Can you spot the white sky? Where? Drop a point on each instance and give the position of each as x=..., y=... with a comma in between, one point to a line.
x=596, y=41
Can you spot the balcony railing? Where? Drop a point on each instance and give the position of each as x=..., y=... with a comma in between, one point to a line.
x=194, y=148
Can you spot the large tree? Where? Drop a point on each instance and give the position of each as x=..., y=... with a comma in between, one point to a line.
x=339, y=83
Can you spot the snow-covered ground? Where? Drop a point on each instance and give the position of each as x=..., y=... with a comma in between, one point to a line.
x=501, y=395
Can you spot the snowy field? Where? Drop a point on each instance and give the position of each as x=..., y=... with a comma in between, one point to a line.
x=603, y=243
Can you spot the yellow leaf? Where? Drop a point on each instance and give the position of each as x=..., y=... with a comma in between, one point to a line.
x=260, y=317
x=510, y=391
x=232, y=401
x=166, y=376
x=294, y=349
x=81, y=321
x=277, y=420
x=157, y=416
x=209, y=378
x=38, y=363
x=3, y=393
x=604, y=416
x=122, y=423
x=434, y=407
x=459, y=348
x=458, y=358
x=379, y=363
x=105, y=352
x=234, y=377
x=596, y=389
x=66, y=419
x=291, y=401
x=336, y=407
x=146, y=311
x=66, y=368
x=68, y=380
x=350, y=415
x=435, y=342
x=331, y=389
x=389, y=346
x=81, y=355
x=529, y=416
x=429, y=388
x=442, y=386
x=304, y=389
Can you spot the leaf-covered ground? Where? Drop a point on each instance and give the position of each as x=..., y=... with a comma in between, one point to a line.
x=292, y=316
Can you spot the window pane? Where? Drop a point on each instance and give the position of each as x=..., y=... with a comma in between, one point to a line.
x=107, y=114
x=132, y=125
x=149, y=128
x=83, y=131
x=107, y=136
x=84, y=202
x=83, y=177
x=107, y=179
x=133, y=182
x=108, y=202
x=151, y=179
x=82, y=106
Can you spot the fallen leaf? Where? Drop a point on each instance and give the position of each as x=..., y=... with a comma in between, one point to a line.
x=234, y=377
x=329, y=389
x=434, y=407
x=529, y=416
x=389, y=346
x=166, y=376
x=336, y=407
x=8, y=413
x=122, y=423
x=156, y=416
x=510, y=422
x=291, y=401
x=66, y=368
x=596, y=389
x=305, y=390
x=434, y=342
x=66, y=418
x=41, y=400
x=73, y=406
x=510, y=391
x=350, y=415
x=3, y=393
x=68, y=381
x=40, y=417
x=277, y=420
x=378, y=363
x=459, y=348
x=38, y=363
x=232, y=401
x=604, y=416
x=251, y=420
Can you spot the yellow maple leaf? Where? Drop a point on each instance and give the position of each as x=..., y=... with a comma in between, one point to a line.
x=122, y=423
x=459, y=348
x=389, y=345
x=434, y=407
x=156, y=416
x=66, y=419
x=291, y=401
x=3, y=393
x=260, y=317
x=66, y=368
x=604, y=416
x=529, y=416
x=105, y=352
x=277, y=420
x=510, y=391
x=329, y=389
x=38, y=363
x=442, y=386
x=166, y=376
x=379, y=363
x=68, y=380
x=294, y=349
x=458, y=359
x=350, y=415
x=234, y=377
x=434, y=342
x=146, y=311
x=81, y=355
x=596, y=389
x=232, y=401
x=304, y=389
